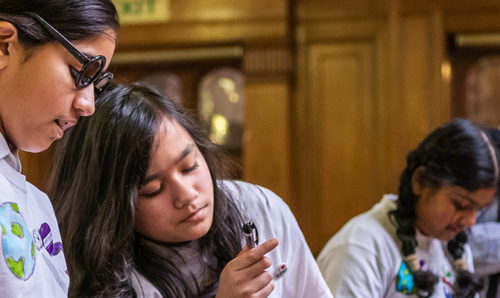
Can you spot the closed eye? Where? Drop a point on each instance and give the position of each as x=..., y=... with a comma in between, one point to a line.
x=153, y=193
x=461, y=205
x=192, y=168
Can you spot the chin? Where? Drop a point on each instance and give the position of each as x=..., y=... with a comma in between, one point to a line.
x=448, y=236
x=202, y=230
x=35, y=148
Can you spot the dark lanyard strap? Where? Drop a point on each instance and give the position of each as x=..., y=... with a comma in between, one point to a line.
x=494, y=278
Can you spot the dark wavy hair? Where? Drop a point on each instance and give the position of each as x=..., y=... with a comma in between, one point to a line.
x=99, y=168
x=75, y=19
x=453, y=154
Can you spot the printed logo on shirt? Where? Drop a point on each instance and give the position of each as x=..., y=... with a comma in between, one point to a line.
x=404, y=281
x=17, y=244
x=446, y=279
x=43, y=238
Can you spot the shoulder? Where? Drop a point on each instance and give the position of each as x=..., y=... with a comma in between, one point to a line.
x=242, y=188
x=370, y=228
x=40, y=199
x=143, y=287
x=248, y=197
x=6, y=187
x=364, y=251
x=16, y=189
x=35, y=192
x=371, y=232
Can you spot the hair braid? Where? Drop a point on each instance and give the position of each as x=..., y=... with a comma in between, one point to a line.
x=458, y=153
x=405, y=216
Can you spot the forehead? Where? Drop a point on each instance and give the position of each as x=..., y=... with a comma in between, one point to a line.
x=170, y=140
x=479, y=198
x=100, y=44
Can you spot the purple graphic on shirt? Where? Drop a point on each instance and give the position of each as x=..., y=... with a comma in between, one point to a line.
x=46, y=235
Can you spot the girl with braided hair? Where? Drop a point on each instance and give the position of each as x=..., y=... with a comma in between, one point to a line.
x=414, y=244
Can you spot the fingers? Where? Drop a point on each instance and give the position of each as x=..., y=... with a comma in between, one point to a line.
x=246, y=275
x=245, y=248
x=268, y=287
x=258, y=267
x=260, y=286
x=248, y=257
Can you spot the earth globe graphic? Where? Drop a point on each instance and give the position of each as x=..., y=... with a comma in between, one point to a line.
x=17, y=242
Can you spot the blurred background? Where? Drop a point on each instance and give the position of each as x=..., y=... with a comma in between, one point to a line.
x=317, y=100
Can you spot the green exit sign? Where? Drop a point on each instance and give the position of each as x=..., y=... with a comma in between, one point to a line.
x=143, y=11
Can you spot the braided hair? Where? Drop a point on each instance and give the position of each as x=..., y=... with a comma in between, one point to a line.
x=458, y=153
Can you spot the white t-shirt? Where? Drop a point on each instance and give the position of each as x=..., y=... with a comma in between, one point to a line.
x=484, y=239
x=273, y=219
x=364, y=260
x=33, y=263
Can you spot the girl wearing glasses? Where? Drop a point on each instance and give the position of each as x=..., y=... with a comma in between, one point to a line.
x=53, y=56
x=143, y=211
x=414, y=244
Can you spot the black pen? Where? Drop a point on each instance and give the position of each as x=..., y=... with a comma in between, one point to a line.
x=251, y=234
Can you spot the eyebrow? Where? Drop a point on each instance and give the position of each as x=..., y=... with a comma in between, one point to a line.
x=188, y=149
x=471, y=201
x=185, y=152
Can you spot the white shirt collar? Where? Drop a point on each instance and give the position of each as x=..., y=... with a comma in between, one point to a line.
x=11, y=158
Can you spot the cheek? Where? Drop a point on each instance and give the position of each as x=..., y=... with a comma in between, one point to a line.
x=205, y=178
x=148, y=215
x=443, y=217
x=49, y=93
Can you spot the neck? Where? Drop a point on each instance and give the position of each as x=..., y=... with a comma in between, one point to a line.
x=166, y=243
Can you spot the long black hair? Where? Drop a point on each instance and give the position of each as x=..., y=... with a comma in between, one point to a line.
x=75, y=19
x=458, y=153
x=98, y=171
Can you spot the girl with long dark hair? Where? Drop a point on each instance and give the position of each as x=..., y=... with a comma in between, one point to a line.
x=144, y=211
x=414, y=243
x=53, y=60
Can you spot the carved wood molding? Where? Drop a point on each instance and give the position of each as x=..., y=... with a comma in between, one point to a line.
x=264, y=61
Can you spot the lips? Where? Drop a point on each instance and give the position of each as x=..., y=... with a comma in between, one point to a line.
x=455, y=229
x=65, y=124
x=195, y=216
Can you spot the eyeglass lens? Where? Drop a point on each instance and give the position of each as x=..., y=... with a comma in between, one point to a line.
x=90, y=71
x=102, y=83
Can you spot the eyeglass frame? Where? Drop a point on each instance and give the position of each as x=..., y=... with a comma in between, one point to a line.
x=81, y=57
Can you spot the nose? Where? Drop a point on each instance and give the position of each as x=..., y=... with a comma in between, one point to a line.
x=184, y=192
x=468, y=218
x=84, y=101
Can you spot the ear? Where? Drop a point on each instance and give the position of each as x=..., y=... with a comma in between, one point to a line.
x=416, y=180
x=8, y=37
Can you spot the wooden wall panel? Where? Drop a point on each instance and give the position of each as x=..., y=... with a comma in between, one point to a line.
x=36, y=166
x=266, y=153
x=415, y=107
x=209, y=10
x=421, y=101
x=321, y=9
x=201, y=33
x=473, y=21
x=343, y=144
x=195, y=23
x=388, y=64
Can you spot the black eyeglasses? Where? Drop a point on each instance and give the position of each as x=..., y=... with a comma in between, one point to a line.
x=92, y=69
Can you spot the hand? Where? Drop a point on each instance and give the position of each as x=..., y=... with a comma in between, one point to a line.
x=246, y=275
